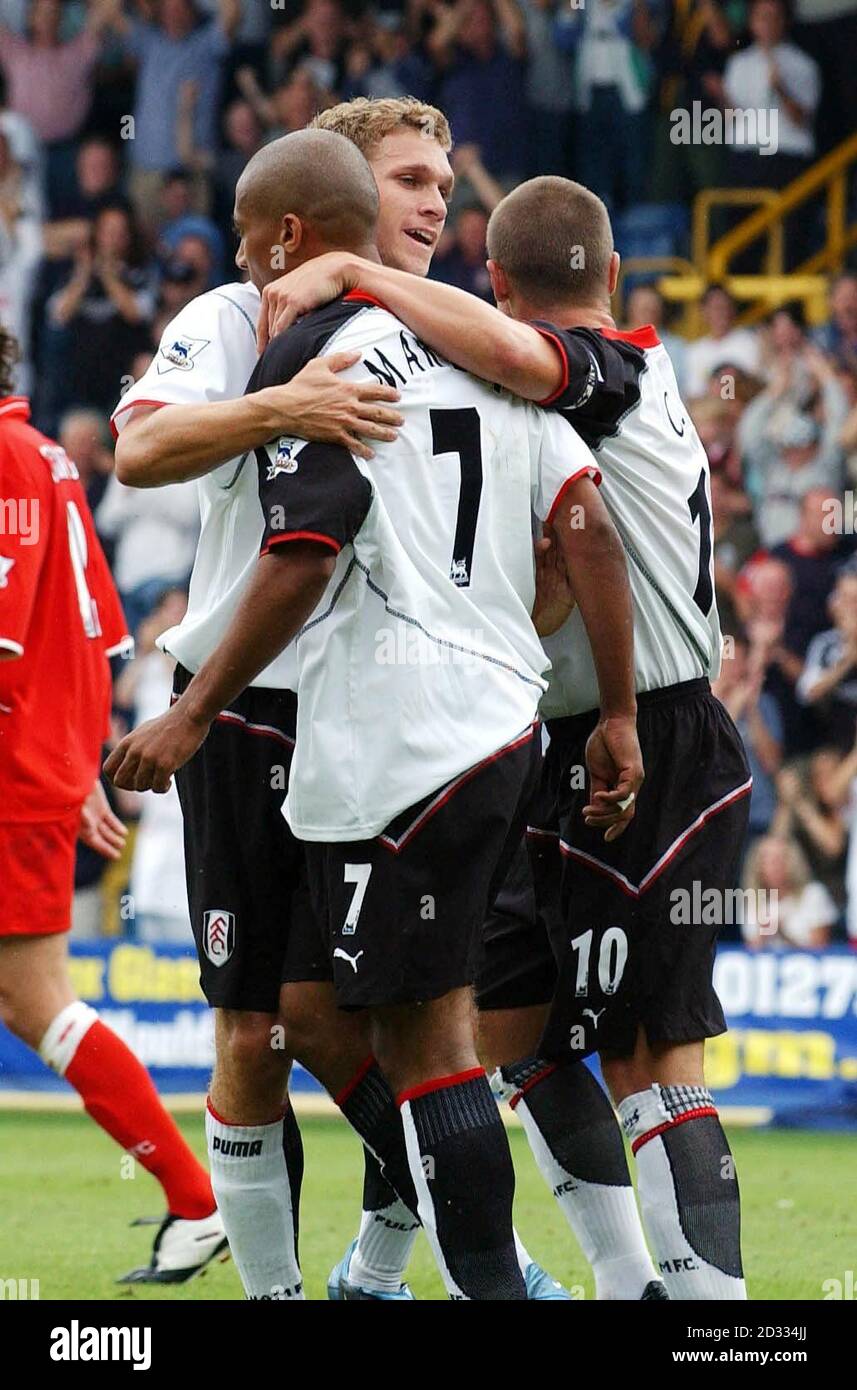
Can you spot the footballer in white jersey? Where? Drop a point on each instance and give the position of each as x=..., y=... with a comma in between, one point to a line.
x=634, y=973
x=207, y=353
x=232, y=832
x=440, y=757
x=421, y=658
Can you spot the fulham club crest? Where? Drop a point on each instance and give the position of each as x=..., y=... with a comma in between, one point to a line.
x=218, y=935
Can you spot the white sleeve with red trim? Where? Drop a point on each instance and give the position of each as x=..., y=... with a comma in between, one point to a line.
x=559, y=457
x=207, y=353
x=27, y=501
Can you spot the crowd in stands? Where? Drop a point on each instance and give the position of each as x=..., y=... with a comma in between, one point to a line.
x=124, y=125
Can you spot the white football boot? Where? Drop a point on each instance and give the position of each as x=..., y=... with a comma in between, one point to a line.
x=182, y=1249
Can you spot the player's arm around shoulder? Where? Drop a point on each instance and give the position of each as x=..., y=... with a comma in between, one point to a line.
x=191, y=411
x=166, y=427
x=569, y=501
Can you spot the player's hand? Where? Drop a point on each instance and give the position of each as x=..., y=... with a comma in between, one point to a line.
x=615, y=766
x=318, y=404
x=312, y=284
x=146, y=759
x=555, y=599
x=99, y=827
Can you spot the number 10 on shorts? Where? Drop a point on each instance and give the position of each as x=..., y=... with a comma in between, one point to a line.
x=358, y=874
x=612, y=955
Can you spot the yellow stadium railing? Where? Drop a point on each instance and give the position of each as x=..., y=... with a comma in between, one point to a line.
x=684, y=281
x=829, y=176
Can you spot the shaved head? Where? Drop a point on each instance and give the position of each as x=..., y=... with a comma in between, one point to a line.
x=320, y=178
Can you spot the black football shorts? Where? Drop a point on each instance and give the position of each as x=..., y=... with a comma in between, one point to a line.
x=402, y=914
x=631, y=945
x=246, y=873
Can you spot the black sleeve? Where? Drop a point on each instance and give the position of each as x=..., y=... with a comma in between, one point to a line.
x=308, y=491
x=601, y=379
x=311, y=492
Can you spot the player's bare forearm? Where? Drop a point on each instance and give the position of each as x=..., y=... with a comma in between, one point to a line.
x=468, y=331
x=283, y=591
x=465, y=329
x=177, y=442
x=598, y=574
x=173, y=443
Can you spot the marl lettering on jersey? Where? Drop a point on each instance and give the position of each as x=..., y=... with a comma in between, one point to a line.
x=415, y=358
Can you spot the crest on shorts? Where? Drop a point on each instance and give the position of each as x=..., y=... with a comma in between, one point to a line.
x=218, y=935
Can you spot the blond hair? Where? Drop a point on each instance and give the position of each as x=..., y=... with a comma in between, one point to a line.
x=365, y=122
x=798, y=865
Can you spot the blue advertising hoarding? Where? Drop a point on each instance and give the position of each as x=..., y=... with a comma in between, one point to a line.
x=789, y=1058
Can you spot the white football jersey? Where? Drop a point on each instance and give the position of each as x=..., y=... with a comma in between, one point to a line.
x=620, y=395
x=420, y=659
x=207, y=353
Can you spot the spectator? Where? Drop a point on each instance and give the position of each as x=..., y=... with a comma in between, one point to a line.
x=773, y=76
x=811, y=811
x=479, y=47
x=814, y=556
x=181, y=282
x=842, y=791
x=242, y=131
x=716, y=425
x=385, y=64
x=180, y=224
x=169, y=51
x=735, y=540
x=24, y=144
x=549, y=86
x=155, y=532
x=787, y=453
x=759, y=722
x=784, y=346
x=838, y=337
x=20, y=248
x=81, y=434
x=317, y=41
x=51, y=83
x=195, y=251
x=696, y=53
x=614, y=77
x=158, y=886
x=646, y=305
x=829, y=677
x=253, y=34
x=723, y=343
x=827, y=30
x=790, y=909
x=463, y=264
x=848, y=437
x=291, y=106
x=106, y=308
x=472, y=177
x=97, y=183
x=762, y=594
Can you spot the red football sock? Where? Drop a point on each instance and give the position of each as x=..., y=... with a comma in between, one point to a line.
x=119, y=1095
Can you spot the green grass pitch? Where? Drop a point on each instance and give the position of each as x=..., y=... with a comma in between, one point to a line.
x=66, y=1209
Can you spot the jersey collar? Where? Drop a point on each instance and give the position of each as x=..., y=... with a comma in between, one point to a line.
x=15, y=405
x=645, y=337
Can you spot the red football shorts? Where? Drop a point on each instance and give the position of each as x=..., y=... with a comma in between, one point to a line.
x=37, y=875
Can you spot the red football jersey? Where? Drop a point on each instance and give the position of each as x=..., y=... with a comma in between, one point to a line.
x=60, y=617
